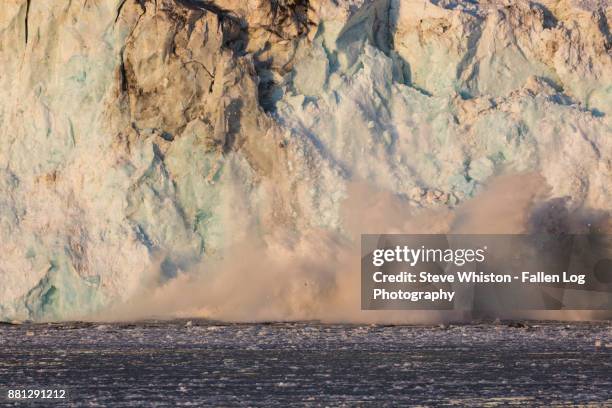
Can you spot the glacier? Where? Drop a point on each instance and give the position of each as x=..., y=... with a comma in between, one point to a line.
x=141, y=138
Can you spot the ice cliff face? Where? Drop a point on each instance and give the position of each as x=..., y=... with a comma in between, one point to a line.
x=141, y=135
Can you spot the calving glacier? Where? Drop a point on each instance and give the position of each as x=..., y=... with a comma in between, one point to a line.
x=140, y=140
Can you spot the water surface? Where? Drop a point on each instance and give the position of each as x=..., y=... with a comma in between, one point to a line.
x=200, y=363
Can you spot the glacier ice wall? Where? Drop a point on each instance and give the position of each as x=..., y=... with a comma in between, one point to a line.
x=141, y=137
